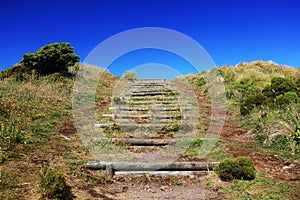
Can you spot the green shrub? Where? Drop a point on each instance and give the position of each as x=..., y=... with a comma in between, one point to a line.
x=239, y=168
x=296, y=136
x=52, y=184
x=11, y=135
x=287, y=98
x=3, y=111
x=131, y=76
x=18, y=71
x=55, y=57
x=279, y=86
x=200, y=82
x=250, y=102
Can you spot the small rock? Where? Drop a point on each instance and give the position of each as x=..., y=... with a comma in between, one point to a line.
x=121, y=179
x=164, y=188
x=192, y=176
x=125, y=189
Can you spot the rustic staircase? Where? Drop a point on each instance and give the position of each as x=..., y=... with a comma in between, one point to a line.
x=148, y=108
x=150, y=112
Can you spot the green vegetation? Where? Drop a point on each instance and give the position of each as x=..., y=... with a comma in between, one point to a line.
x=37, y=131
x=52, y=184
x=55, y=57
x=241, y=168
x=130, y=76
x=267, y=96
x=262, y=187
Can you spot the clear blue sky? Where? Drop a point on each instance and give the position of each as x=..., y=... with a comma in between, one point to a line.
x=231, y=31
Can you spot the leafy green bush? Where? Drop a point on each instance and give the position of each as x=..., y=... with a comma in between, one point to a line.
x=131, y=76
x=239, y=168
x=18, y=71
x=287, y=98
x=279, y=86
x=52, y=184
x=296, y=136
x=55, y=57
x=250, y=102
x=200, y=82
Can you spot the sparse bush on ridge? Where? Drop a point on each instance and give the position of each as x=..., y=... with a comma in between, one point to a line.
x=51, y=58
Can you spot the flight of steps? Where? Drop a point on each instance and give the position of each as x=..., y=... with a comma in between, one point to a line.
x=153, y=116
x=147, y=108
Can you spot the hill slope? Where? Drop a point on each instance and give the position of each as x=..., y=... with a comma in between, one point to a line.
x=37, y=131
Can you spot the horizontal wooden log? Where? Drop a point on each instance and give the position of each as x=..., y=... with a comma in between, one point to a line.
x=160, y=173
x=156, y=141
x=142, y=94
x=150, y=98
x=143, y=142
x=169, y=103
x=143, y=116
x=131, y=125
x=104, y=125
x=175, y=166
x=151, y=108
x=150, y=79
x=147, y=84
x=130, y=108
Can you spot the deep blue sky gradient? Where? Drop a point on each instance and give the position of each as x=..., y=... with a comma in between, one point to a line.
x=231, y=31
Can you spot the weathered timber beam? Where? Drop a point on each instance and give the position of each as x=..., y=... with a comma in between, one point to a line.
x=143, y=142
x=128, y=116
x=150, y=109
x=103, y=125
x=175, y=166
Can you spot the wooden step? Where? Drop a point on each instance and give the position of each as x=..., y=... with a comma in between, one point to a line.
x=145, y=116
x=134, y=125
x=175, y=166
x=150, y=108
x=143, y=141
x=104, y=125
x=142, y=94
x=151, y=102
x=144, y=98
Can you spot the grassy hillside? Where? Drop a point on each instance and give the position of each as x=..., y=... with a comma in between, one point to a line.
x=265, y=108
x=37, y=132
